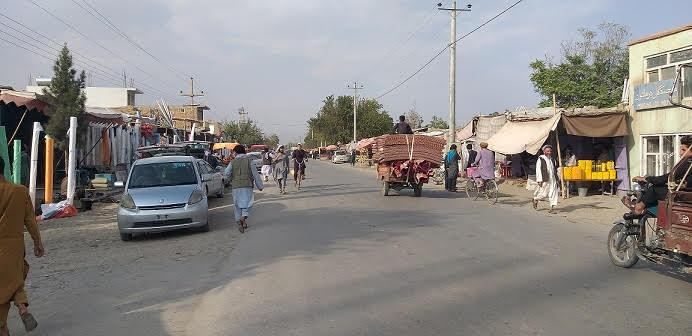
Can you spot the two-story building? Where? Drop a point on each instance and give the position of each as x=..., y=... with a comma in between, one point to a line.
x=656, y=123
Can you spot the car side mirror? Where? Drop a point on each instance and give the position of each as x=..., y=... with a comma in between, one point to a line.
x=119, y=184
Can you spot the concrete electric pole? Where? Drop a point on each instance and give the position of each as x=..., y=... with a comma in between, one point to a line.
x=192, y=94
x=451, y=138
x=355, y=89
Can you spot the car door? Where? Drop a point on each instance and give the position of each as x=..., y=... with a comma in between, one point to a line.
x=216, y=178
x=205, y=175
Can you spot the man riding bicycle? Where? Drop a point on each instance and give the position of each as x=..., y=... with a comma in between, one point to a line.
x=299, y=159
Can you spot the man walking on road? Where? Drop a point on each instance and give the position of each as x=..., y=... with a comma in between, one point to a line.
x=244, y=176
x=17, y=213
x=452, y=165
x=546, y=176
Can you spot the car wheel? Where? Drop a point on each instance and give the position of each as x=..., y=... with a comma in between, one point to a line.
x=125, y=236
x=204, y=228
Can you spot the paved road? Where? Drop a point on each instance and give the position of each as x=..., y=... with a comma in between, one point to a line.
x=339, y=259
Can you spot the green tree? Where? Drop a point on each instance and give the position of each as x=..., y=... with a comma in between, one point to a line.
x=272, y=141
x=591, y=72
x=66, y=96
x=334, y=122
x=243, y=132
x=437, y=122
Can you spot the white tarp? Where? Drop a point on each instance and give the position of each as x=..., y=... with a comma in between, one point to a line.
x=518, y=136
x=487, y=127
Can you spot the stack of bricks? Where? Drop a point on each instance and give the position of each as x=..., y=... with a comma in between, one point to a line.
x=402, y=147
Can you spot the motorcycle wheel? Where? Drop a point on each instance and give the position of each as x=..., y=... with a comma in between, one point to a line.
x=626, y=254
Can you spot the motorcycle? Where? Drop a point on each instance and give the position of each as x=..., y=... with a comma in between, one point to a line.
x=661, y=235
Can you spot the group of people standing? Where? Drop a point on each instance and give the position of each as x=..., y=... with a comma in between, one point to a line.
x=483, y=160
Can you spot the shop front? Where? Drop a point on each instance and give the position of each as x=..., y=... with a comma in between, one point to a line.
x=657, y=124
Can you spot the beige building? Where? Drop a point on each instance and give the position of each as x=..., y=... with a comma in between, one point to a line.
x=656, y=123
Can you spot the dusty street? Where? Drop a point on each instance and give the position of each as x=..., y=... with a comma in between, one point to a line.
x=337, y=258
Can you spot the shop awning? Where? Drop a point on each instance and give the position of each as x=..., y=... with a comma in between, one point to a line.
x=596, y=125
x=22, y=98
x=466, y=132
x=331, y=147
x=365, y=143
x=224, y=145
x=488, y=126
x=102, y=115
x=518, y=136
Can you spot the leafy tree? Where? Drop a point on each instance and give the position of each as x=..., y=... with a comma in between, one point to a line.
x=272, y=141
x=413, y=117
x=66, y=96
x=243, y=132
x=591, y=72
x=437, y=122
x=334, y=122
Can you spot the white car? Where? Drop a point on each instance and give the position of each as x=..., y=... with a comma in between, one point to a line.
x=212, y=179
x=341, y=156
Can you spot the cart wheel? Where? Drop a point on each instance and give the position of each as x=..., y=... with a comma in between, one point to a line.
x=385, y=188
x=418, y=190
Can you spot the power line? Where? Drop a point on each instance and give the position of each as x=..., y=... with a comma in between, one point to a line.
x=71, y=27
x=399, y=45
x=108, y=23
x=447, y=47
x=99, y=66
x=51, y=52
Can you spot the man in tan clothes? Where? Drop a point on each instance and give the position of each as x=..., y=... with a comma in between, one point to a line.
x=17, y=213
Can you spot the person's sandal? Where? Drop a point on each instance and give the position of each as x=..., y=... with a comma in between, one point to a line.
x=535, y=205
x=29, y=322
x=241, y=228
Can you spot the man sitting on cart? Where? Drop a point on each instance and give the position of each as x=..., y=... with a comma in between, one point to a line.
x=683, y=174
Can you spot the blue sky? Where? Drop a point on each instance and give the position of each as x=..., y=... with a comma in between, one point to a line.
x=280, y=58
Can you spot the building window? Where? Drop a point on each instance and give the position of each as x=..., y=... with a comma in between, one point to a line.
x=687, y=81
x=668, y=73
x=656, y=61
x=681, y=56
x=660, y=153
x=652, y=76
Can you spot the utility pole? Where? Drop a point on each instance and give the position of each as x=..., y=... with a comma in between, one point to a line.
x=355, y=89
x=192, y=94
x=451, y=138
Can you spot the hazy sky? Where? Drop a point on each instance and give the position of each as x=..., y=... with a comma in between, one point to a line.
x=280, y=58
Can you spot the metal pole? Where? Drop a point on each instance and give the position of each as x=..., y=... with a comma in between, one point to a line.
x=452, y=77
x=355, y=97
x=49, y=170
x=565, y=193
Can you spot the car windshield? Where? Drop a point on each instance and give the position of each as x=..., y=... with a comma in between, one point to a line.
x=162, y=174
x=340, y=153
x=255, y=155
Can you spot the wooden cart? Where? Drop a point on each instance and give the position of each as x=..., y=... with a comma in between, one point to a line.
x=389, y=181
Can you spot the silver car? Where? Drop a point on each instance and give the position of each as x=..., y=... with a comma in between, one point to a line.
x=341, y=156
x=163, y=194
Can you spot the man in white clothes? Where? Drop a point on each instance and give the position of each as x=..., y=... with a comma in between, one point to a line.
x=546, y=176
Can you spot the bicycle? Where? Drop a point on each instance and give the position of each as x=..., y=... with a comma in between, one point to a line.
x=488, y=188
x=299, y=174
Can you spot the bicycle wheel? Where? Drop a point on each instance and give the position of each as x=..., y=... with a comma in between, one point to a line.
x=491, y=192
x=471, y=189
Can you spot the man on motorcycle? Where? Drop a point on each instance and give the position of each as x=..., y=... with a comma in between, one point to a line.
x=660, y=183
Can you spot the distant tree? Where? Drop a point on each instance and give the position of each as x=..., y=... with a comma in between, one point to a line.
x=334, y=121
x=243, y=132
x=591, y=72
x=437, y=122
x=272, y=141
x=65, y=95
x=413, y=117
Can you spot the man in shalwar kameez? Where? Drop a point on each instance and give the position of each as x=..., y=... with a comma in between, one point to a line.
x=17, y=213
x=546, y=177
x=244, y=177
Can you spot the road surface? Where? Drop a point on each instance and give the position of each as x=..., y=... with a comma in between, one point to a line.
x=337, y=258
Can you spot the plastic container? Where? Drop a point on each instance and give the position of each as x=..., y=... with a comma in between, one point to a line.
x=610, y=165
x=567, y=173
x=613, y=174
x=588, y=175
x=577, y=173
x=583, y=191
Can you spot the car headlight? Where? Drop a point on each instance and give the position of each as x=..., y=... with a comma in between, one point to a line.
x=196, y=197
x=127, y=202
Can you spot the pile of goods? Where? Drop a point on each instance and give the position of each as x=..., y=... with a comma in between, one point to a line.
x=409, y=155
x=589, y=170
